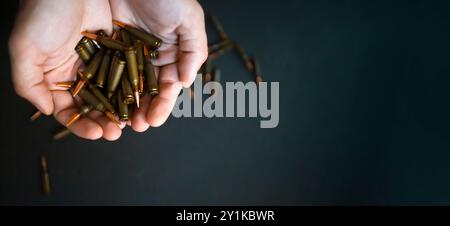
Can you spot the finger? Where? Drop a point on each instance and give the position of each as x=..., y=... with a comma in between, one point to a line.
x=138, y=121
x=65, y=108
x=193, y=47
x=111, y=131
x=28, y=80
x=169, y=89
x=168, y=56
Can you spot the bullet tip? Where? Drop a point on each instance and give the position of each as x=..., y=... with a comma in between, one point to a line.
x=35, y=115
x=89, y=35
x=64, y=85
x=73, y=119
x=115, y=34
x=136, y=96
x=78, y=88
x=145, y=51
x=118, y=24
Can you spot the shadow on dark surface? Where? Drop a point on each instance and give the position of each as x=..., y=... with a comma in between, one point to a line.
x=363, y=119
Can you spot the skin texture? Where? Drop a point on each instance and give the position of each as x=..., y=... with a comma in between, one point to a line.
x=47, y=31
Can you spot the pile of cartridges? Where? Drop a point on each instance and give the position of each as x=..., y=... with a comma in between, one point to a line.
x=224, y=46
x=118, y=72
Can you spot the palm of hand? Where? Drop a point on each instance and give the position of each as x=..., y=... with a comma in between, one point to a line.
x=45, y=42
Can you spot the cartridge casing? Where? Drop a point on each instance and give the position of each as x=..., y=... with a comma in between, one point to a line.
x=36, y=115
x=104, y=69
x=115, y=76
x=93, y=65
x=139, y=45
x=110, y=43
x=218, y=46
x=207, y=71
x=114, y=101
x=91, y=99
x=83, y=53
x=44, y=176
x=150, y=76
x=139, y=54
x=133, y=74
x=127, y=91
x=244, y=57
x=60, y=134
x=221, y=51
x=126, y=38
x=89, y=45
x=85, y=109
x=218, y=27
x=258, y=75
x=153, y=54
x=46, y=184
x=102, y=98
x=123, y=108
x=114, y=57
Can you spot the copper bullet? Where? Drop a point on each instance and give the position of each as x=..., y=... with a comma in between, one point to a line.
x=36, y=115
x=65, y=85
x=84, y=110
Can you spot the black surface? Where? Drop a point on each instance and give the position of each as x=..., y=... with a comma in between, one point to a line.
x=363, y=119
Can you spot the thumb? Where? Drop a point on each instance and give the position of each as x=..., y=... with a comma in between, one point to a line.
x=28, y=79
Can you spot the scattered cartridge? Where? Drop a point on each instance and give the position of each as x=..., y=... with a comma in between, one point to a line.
x=46, y=188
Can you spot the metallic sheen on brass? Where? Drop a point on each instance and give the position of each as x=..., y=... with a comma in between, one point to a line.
x=115, y=76
x=153, y=41
x=127, y=91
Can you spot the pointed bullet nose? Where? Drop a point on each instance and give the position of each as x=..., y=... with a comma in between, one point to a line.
x=89, y=35
x=78, y=88
x=136, y=96
x=118, y=23
x=73, y=119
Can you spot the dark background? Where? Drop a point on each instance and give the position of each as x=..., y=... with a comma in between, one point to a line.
x=363, y=119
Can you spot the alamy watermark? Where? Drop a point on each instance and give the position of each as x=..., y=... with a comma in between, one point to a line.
x=236, y=96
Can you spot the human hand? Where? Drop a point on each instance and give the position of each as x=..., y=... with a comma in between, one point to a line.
x=42, y=54
x=180, y=24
